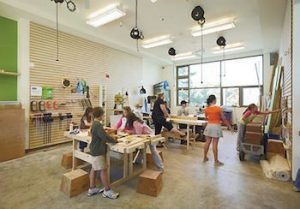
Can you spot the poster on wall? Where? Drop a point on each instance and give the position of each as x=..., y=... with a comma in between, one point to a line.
x=36, y=91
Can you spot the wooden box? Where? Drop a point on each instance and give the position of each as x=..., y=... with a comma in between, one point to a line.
x=75, y=182
x=276, y=146
x=253, y=138
x=254, y=127
x=150, y=183
x=67, y=160
x=150, y=162
x=12, y=135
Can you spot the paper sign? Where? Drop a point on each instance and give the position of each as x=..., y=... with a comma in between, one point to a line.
x=36, y=91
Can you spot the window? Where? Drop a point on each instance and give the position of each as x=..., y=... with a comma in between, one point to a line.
x=198, y=97
x=210, y=75
x=251, y=95
x=231, y=97
x=234, y=82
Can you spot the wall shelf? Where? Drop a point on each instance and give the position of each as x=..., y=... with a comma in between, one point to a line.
x=2, y=72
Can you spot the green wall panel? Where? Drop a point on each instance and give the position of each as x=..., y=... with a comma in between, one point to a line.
x=8, y=58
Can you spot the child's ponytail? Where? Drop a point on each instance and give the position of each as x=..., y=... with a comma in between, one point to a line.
x=250, y=106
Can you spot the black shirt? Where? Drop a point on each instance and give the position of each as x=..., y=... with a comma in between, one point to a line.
x=157, y=112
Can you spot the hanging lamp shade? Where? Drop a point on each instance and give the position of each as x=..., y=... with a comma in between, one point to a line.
x=143, y=90
x=221, y=41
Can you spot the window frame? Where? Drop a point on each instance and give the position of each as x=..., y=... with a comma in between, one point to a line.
x=220, y=85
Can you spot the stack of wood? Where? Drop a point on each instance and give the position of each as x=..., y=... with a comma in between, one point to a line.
x=253, y=134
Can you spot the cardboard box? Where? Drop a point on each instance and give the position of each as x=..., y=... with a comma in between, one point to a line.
x=254, y=127
x=67, y=160
x=253, y=138
x=150, y=183
x=276, y=146
x=150, y=162
x=75, y=182
x=276, y=130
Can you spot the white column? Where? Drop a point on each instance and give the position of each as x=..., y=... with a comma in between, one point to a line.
x=296, y=89
x=23, y=69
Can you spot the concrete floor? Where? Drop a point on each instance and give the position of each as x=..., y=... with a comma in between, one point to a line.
x=33, y=182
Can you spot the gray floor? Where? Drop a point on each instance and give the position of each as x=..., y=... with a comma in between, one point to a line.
x=33, y=182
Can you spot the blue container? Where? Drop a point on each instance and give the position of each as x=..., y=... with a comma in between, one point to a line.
x=297, y=182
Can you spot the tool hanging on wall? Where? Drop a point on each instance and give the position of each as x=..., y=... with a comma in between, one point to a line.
x=69, y=117
x=33, y=106
x=71, y=7
x=61, y=118
x=42, y=106
x=47, y=119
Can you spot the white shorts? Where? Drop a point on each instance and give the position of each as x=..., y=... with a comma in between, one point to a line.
x=213, y=130
x=98, y=162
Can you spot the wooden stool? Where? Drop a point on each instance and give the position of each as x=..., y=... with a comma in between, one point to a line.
x=67, y=160
x=150, y=183
x=75, y=182
x=150, y=162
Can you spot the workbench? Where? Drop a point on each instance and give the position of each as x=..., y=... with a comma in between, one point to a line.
x=127, y=146
x=189, y=121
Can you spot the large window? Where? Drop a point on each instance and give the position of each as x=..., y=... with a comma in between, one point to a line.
x=236, y=82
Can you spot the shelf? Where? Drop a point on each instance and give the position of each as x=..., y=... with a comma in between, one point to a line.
x=2, y=72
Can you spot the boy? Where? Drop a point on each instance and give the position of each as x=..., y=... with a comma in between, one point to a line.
x=183, y=111
x=98, y=150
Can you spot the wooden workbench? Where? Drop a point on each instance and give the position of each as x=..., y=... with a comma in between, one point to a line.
x=189, y=121
x=126, y=146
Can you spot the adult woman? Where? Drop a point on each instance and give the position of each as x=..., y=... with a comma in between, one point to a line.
x=137, y=126
x=159, y=115
x=213, y=130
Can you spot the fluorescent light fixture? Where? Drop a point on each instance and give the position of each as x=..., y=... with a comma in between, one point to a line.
x=105, y=16
x=157, y=41
x=229, y=48
x=213, y=27
x=184, y=56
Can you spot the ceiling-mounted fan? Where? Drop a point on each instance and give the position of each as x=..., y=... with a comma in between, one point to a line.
x=135, y=32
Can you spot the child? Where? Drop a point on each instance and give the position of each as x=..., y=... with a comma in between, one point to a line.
x=248, y=116
x=137, y=126
x=213, y=130
x=122, y=122
x=98, y=152
x=85, y=123
x=183, y=111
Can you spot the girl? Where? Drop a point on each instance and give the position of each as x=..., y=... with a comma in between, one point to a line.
x=85, y=123
x=213, y=130
x=137, y=126
x=248, y=116
x=121, y=125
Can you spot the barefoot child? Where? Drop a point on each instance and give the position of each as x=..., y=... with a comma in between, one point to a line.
x=248, y=116
x=213, y=130
x=98, y=149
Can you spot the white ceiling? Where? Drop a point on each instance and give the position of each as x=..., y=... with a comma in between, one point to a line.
x=258, y=22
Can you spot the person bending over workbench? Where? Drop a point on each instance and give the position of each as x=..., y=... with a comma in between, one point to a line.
x=98, y=149
x=159, y=116
x=137, y=126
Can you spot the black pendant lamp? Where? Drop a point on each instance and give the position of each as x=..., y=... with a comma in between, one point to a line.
x=198, y=15
x=72, y=8
x=143, y=90
x=135, y=33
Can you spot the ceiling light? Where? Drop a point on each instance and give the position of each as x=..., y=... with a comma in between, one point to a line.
x=229, y=48
x=157, y=41
x=213, y=27
x=105, y=15
x=184, y=56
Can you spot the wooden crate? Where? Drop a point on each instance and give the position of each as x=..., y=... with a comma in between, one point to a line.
x=253, y=138
x=254, y=127
x=12, y=135
x=276, y=146
x=150, y=183
x=75, y=182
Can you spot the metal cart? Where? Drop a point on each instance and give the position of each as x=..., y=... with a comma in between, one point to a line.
x=252, y=149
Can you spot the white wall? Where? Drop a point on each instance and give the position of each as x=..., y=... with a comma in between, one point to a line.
x=296, y=89
x=152, y=74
